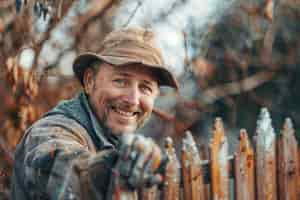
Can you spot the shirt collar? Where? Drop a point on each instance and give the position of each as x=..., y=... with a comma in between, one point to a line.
x=109, y=140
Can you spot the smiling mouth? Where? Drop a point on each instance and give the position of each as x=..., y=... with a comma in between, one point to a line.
x=124, y=113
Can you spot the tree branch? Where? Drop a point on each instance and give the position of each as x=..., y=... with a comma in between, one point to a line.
x=211, y=95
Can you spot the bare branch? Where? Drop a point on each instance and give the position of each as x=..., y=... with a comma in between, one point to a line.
x=171, y=10
x=213, y=94
x=133, y=13
x=98, y=9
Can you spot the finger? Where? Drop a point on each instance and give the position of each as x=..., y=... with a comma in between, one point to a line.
x=128, y=156
x=156, y=156
x=148, y=165
x=148, y=173
x=144, y=147
x=124, y=152
x=152, y=165
x=135, y=177
x=126, y=166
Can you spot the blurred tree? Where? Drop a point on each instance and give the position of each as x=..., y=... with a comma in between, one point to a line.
x=239, y=56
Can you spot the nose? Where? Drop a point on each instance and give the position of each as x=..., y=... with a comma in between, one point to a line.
x=132, y=96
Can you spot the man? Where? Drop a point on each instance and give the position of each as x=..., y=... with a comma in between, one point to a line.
x=78, y=149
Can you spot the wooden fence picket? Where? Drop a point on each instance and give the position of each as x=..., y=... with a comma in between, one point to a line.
x=171, y=186
x=219, y=163
x=244, y=169
x=193, y=186
x=265, y=158
x=288, y=166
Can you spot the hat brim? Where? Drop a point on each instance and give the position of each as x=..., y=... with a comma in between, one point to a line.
x=83, y=61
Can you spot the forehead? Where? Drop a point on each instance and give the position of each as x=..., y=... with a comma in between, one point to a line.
x=132, y=70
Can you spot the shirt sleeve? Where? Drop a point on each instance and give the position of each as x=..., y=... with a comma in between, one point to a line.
x=59, y=163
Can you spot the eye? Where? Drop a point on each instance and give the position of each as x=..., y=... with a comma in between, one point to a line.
x=120, y=82
x=146, y=89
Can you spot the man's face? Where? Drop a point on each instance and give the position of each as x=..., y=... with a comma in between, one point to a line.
x=121, y=97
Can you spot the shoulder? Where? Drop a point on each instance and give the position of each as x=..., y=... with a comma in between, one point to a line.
x=58, y=120
x=58, y=127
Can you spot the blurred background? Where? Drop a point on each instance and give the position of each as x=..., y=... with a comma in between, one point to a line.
x=231, y=58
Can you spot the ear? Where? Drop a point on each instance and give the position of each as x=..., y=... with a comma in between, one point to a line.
x=88, y=80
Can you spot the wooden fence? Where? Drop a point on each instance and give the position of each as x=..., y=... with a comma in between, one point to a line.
x=267, y=171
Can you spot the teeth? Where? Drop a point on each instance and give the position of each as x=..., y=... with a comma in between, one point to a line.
x=128, y=114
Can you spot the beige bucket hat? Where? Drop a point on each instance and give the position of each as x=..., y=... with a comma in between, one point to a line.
x=128, y=46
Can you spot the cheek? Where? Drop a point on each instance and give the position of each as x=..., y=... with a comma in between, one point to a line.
x=147, y=105
x=99, y=100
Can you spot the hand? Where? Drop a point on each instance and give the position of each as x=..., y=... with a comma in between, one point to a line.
x=140, y=161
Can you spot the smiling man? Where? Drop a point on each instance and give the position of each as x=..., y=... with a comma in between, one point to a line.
x=122, y=99
x=76, y=150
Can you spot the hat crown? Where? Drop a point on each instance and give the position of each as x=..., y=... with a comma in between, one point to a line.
x=133, y=41
x=144, y=36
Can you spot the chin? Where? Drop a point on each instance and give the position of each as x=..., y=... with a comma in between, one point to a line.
x=123, y=130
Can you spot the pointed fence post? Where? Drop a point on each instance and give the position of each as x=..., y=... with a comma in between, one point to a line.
x=171, y=187
x=219, y=163
x=288, y=166
x=265, y=158
x=244, y=169
x=191, y=170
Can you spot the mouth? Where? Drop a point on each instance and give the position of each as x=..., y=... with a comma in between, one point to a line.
x=125, y=113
